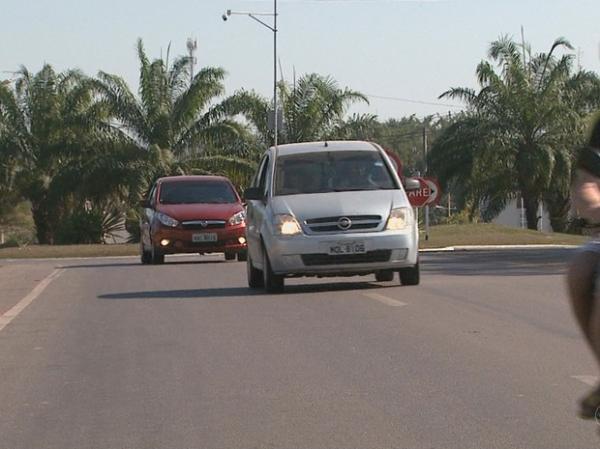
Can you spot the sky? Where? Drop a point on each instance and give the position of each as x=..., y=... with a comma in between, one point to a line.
x=406, y=51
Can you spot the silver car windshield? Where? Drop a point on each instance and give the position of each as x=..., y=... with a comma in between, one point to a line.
x=331, y=171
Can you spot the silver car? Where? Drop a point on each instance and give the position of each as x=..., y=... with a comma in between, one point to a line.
x=329, y=209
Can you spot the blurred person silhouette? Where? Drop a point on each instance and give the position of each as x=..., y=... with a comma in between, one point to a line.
x=378, y=176
x=292, y=182
x=348, y=176
x=357, y=176
x=583, y=276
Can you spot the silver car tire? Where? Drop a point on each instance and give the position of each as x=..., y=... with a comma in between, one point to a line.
x=384, y=276
x=273, y=283
x=255, y=276
x=410, y=275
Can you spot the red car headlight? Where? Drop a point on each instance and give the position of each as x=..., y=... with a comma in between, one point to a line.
x=237, y=218
x=166, y=220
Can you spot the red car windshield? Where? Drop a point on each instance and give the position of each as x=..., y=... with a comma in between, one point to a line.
x=193, y=192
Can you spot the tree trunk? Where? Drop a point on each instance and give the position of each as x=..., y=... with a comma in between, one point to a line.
x=42, y=219
x=559, y=214
x=558, y=204
x=531, y=203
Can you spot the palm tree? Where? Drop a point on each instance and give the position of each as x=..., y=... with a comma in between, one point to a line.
x=463, y=167
x=359, y=127
x=520, y=129
x=174, y=123
x=48, y=124
x=8, y=163
x=314, y=108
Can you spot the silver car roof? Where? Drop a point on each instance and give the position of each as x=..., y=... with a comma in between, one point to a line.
x=334, y=145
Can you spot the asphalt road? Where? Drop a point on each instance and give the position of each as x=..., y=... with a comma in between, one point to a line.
x=115, y=355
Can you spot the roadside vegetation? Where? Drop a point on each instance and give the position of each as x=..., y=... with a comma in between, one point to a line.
x=440, y=236
x=519, y=134
x=455, y=235
x=78, y=152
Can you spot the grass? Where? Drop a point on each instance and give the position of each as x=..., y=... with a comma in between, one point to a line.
x=51, y=251
x=489, y=234
x=439, y=237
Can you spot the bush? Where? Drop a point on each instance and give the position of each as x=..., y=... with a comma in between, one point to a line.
x=459, y=218
x=576, y=225
x=80, y=227
x=11, y=242
x=14, y=237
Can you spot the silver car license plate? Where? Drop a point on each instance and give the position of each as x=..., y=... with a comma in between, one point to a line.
x=205, y=237
x=340, y=248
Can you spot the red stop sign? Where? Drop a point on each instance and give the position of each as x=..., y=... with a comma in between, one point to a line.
x=429, y=193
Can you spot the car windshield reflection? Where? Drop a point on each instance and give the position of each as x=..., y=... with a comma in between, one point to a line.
x=205, y=192
x=331, y=171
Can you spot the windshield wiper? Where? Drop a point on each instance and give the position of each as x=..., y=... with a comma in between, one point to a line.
x=354, y=189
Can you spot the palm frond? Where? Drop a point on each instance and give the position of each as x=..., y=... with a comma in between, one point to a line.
x=465, y=94
x=207, y=84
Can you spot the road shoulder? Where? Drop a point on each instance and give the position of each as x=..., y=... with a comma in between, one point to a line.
x=17, y=280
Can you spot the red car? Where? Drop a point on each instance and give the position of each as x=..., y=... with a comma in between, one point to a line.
x=192, y=214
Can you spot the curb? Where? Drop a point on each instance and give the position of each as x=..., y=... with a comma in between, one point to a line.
x=447, y=249
x=494, y=248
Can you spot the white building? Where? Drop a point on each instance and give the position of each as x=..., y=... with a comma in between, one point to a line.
x=513, y=215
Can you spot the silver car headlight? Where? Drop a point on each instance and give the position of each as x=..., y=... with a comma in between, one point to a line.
x=399, y=218
x=237, y=218
x=286, y=224
x=166, y=220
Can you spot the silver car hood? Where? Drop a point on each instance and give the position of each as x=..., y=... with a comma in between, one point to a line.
x=334, y=204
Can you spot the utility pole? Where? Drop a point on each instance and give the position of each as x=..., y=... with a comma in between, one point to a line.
x=273, y=28
x=425, y=156
x=192, y=45
x=275, y=73
x=523, y=48
x=425, y=148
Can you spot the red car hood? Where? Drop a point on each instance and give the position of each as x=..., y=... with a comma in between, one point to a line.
x=186, y=212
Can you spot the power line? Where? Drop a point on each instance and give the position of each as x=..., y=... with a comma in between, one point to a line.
x=408, y=100
x=353, y=1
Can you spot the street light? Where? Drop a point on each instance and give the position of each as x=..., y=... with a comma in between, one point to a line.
x=273, y=28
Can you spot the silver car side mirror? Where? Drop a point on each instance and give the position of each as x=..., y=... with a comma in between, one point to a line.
x=411, y=184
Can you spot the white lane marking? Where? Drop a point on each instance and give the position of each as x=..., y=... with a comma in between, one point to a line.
x=384, y=299
x=592, y=381
x=13, y=312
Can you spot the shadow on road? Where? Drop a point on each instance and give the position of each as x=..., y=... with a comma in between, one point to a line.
x=138, y=264
x=226, y=292
x=179, y=294
x=529, y=262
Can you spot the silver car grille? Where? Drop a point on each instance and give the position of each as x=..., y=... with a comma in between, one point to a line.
x=344, y=223
x=377, y=256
